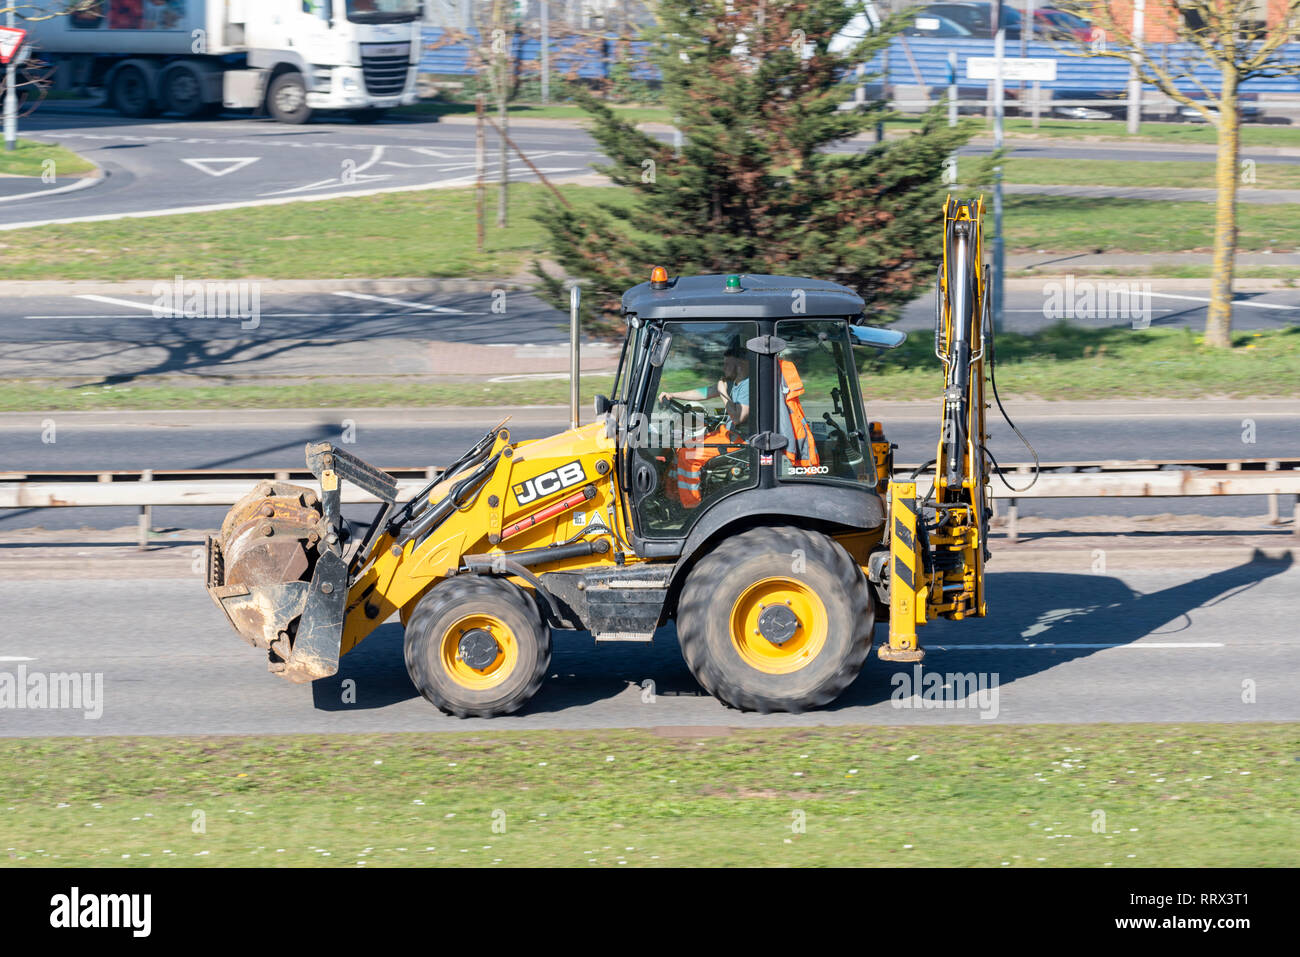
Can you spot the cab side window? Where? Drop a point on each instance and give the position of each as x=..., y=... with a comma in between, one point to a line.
x=817, y=405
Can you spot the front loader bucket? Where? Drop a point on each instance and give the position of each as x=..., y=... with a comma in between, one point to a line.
x=277, y=586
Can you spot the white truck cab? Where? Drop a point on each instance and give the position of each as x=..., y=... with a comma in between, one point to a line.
x=289, y=57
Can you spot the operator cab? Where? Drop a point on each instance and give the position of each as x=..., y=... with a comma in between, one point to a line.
x=735, y=383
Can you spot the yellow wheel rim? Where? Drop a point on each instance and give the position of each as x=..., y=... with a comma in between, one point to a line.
x=748, y=625
x=494, y=673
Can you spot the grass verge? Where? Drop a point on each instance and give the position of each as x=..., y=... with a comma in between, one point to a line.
x=1174, y=173
x=1252, y=134
x=1077, y=795
x=1062, y=362
x=28, y=158
x=523, y=112
x=432, y=234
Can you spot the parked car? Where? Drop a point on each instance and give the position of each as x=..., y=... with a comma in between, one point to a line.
x=975, y=17
x=933, y=25
x=1058, y=24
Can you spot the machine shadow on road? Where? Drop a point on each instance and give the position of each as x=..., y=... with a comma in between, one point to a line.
x=1031, y=608
x=1061, y=609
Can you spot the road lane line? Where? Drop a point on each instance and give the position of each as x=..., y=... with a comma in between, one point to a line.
x=1235, y=302
x=1047, y=646
x=15, y=658
x=150, y=307
x=400, y=302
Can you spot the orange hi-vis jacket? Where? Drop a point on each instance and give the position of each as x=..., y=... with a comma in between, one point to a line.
x=802, y=448
x=688, y=468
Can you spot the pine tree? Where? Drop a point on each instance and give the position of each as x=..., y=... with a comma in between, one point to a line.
x=755, y=188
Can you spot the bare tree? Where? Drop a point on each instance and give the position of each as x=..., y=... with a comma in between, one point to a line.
x=491, y=39
x=1228, y=36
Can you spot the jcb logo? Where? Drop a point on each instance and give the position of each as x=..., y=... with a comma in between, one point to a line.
x=549, y=483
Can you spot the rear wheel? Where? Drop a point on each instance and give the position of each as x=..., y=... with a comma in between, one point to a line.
x=776, y=619
x=477, y=647
x=182, y=91
x=131, y=95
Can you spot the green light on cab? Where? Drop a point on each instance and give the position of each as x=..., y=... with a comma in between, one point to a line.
x=733, y=283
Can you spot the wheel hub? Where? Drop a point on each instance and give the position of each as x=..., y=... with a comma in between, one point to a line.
x=477, y=648
x=777, y=623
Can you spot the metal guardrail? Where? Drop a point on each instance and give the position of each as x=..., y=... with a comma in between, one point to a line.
x=1143, y=478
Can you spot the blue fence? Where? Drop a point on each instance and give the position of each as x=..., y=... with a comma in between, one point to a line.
x=912, y=61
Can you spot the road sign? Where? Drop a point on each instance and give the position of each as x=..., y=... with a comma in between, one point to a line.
x=1013, y=68
x=11, y=38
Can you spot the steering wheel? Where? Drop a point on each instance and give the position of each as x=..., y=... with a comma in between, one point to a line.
x=675, y=405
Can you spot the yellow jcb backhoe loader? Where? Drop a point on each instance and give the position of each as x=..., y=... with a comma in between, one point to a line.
x=731, y=483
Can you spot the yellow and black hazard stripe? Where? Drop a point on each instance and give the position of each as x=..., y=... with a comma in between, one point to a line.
x=904, y=534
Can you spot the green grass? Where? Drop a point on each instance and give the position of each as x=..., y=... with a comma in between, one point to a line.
x=28, y=158
x=1252, y=134
x=523, y=112
x=155, y=392
x=1067, y=362
x=1027, y=796
x=1074, y=224
x=1062, y=362
x=432, y=234
x=1182, y=174
x=415, y=234
x=1288, y=274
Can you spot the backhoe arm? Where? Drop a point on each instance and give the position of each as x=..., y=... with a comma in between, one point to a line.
x=938, y=543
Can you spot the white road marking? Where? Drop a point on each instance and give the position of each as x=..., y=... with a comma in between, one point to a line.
x=532, y=375
x=236, y=163
x=375, y=154
x=1091, y=315
x=1048, y=646
x=401, y=302
x=15, y=658
x=68, y=188
x=1235, y=302
x=217, y=207
x=127, y=302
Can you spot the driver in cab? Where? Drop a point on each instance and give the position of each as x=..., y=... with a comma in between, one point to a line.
x=683, y=479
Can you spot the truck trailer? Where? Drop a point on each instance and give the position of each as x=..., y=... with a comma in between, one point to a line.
x=289, y=58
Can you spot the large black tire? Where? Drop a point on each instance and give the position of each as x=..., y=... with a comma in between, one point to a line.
x=437, y=631
x=181, y=89
x=830, y=620
x=286, y=100
x=130, y=93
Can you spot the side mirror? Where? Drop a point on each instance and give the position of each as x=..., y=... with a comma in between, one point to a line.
x=603, y=404
x=659, y=354
x=876, y=336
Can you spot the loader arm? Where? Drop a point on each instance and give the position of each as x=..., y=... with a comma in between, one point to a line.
x=938, y=542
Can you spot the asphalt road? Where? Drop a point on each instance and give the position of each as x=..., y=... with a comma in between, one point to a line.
x=81, y=445
x=168, y=164
x=164, y=165
x=1064, y=645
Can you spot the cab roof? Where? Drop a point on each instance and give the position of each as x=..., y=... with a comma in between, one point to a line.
x=760, y=297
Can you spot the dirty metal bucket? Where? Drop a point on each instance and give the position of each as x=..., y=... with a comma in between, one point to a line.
x=278, y=589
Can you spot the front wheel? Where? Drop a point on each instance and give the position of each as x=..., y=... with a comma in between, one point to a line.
x=286, y=100
x=477, y=647
x=776, y=619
